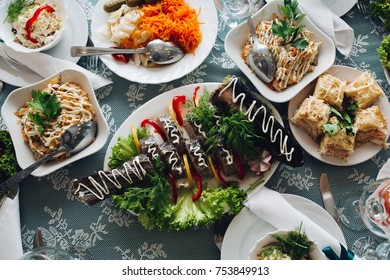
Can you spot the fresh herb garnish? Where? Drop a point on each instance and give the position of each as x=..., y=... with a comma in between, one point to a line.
x=346, y=119
x=48, y=107
x=287, y=29
x=235, y=128
x=295, y=243
x=16, y=8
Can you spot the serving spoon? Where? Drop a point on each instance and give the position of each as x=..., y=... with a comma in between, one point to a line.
x=260, y=58
x=158, y=51
x=76, y=138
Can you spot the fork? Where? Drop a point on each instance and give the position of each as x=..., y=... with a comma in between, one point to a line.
x=220, y=227
x=362, y=6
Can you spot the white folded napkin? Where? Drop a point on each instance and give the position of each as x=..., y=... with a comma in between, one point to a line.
x=385, y=171
x=45, y=65
x=271, y=206
x=333, y=26
x=10, y=235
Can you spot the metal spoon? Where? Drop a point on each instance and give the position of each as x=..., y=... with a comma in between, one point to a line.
x=260, y=58
x=158, y=51
x=75, y=138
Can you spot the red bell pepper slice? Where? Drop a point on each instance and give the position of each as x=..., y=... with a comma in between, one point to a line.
x=174, y=188
x=198, y=179
x=195, y=94
x=240, y=166
x=125, y=58
x=220, y=177
x=34, y=18
x=156, y=127
x=176, y=107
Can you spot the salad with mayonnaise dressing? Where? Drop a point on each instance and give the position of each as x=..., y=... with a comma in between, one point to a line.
x=35, y=24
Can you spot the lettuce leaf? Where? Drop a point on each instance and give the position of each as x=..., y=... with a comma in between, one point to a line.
x=125, y=148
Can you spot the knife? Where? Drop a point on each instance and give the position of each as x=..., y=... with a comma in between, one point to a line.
x=327, y=198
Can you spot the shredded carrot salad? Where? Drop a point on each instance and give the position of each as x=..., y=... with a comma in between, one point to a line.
x=172, y=20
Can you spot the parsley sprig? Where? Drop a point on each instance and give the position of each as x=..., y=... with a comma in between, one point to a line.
x=16, y=8
x=48, y=108
x=287, y=29
x=346, y=119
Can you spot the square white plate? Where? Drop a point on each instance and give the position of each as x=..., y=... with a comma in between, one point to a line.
x=236, y=38
x=17, y=98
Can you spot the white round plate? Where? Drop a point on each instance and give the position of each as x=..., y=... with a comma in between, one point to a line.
x=75, y=34
x=339, y=7
x=362, y=152
x=129, y=71
x=246, y=228
x=159, y=106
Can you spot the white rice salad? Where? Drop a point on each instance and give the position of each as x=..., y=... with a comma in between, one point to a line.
x=45, y=29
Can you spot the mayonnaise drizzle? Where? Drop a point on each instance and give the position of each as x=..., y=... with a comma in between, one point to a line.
x=195, y=150
x=152, y=149
x=101, y=191
x=171, y=129
x=266, y=125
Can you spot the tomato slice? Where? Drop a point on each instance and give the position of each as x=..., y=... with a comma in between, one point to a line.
x=156, y=127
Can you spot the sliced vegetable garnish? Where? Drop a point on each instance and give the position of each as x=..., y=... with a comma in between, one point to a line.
x=156, y=127
x=176, y=101
x=121, y=57
x=188, y=170
x=198, y=179
x=195, y=96
x=34, y=18
x=135, y=137
x=174, y=187
x=240, y=166
x=217, y=174
x=172, y=113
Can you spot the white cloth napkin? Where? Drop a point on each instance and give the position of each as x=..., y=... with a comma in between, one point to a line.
x=271, y=206
x=45, y=65
x=385, y=171
x=333, y=26
x=10, y=235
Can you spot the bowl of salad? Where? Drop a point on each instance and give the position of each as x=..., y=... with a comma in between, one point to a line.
x=286, y=245
x=32, y=25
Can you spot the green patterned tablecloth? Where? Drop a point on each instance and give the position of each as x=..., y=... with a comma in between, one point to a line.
x=104, y=232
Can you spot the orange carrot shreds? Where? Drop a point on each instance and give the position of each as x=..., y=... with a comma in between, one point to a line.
x=172, y=20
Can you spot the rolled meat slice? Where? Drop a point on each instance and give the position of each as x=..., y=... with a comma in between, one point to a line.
x=234, y=94
x=172, y=131
x=103, y=184
x=172, y=159
x=225, y=159
x=149, y=147
x=198, y=158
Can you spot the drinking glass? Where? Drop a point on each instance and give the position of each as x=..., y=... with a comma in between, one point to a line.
x=47, y=253
x=233, y=12
x=374, y=209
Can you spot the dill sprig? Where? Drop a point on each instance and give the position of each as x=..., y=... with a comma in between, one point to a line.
x=295, y=243
x=16, y=8
x=236, y=131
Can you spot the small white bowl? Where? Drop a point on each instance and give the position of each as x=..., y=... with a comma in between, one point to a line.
x=6, y=28
x=237, y=37
x=17, y=98
x=315, y=254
